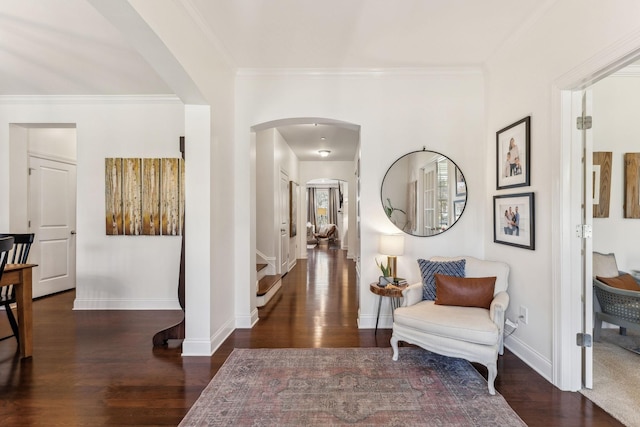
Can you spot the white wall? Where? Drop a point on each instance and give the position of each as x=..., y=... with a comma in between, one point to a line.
x=112, y=271
x=398, y=112
x=273, y=155
x=616, y=102
x=58, y=142
x=520, y=81
x=266, y=241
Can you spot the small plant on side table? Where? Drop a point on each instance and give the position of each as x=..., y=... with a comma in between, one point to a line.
x=386, y=277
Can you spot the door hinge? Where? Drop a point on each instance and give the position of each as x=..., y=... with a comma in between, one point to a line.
x=29, y=224
x=583, y=340
x=584, y=231
x=584, y=123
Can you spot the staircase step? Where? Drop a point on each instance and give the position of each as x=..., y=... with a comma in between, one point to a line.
x=260, y=266
x=267, y=282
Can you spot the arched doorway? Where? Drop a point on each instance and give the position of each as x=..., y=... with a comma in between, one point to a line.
x=290, y=150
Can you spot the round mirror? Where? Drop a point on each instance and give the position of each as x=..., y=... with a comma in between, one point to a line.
x=423, y=193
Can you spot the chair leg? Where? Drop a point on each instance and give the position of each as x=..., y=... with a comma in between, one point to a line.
x=597, y=329
x=12, y=322
x=492, y=369
x=394, y=345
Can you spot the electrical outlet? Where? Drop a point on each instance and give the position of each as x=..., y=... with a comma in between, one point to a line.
x=524, y=314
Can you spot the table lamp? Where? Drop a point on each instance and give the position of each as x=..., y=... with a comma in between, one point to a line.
x=392, y=245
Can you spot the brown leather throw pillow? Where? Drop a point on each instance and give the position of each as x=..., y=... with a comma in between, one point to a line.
x=464, y=291
x=625, y=281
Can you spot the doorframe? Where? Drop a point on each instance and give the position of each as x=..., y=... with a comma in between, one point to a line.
x=565, y=272
x=283, y=243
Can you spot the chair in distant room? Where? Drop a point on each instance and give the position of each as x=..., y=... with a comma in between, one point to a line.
x=16, y=253
x=617, y=296
x=326, y=234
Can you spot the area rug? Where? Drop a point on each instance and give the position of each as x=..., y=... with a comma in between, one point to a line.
x=616, y=377
x=354, y=386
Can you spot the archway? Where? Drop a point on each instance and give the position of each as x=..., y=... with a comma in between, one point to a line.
x=288, y=149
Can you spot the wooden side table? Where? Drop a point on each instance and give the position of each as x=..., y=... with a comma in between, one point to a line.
x=389, y=291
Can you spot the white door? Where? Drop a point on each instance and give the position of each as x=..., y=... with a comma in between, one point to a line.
x=52, y=212
x=284, y=223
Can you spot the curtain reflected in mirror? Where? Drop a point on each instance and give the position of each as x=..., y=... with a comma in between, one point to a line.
x=423, y=193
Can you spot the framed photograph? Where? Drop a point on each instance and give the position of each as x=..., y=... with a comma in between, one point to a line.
x=461, y=185
x=513, y=220
x=458, y=207
x=513, y=155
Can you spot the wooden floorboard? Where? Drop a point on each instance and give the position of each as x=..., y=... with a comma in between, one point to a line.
x=98, y=368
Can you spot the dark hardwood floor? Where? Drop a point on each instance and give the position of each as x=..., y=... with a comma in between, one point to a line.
x=94, y=368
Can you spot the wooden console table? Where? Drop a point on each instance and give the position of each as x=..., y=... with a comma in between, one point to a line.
x=19, y=275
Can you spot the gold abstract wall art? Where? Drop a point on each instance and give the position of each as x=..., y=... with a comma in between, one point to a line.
x=170, y=197
x=132, y=196
x=144, y=196
x=151, y=197
x=113, y=196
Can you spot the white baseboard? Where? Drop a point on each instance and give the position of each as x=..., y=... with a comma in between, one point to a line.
x=126, y=304
x=368, y=321
x=247, y=322
x=529, y=356
x=191, y=347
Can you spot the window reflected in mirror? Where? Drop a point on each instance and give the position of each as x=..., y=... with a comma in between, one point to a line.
x=423, y=193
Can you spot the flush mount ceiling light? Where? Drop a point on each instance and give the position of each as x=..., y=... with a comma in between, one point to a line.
x=324, y=153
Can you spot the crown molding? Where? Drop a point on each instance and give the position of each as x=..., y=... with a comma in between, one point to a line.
x=89, y=99
x=610, y=60
x=360, y=72
x=628, y=71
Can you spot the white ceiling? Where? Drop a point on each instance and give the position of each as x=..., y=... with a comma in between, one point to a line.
x=363, y=33
x=65, y=47
x=307, y=139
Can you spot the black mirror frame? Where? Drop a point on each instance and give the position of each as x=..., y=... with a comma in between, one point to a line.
x=458, y=173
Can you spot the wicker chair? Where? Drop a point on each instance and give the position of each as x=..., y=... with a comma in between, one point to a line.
x=619, y=307
x=326, y=233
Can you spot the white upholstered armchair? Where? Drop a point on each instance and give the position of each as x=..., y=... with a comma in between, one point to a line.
x=471, y=333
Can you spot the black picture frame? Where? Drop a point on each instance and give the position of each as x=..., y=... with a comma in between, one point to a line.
x=512, y=231
x=513, y=155
x=458, y=208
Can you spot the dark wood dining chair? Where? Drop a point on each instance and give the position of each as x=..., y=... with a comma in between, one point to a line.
x=17, y=253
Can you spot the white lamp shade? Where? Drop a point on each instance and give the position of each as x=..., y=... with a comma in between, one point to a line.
x=392, y=244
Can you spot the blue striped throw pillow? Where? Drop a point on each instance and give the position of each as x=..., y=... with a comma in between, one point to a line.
x=429, y=268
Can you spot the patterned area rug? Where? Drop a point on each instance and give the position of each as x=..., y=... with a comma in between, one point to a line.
x=354, y=386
